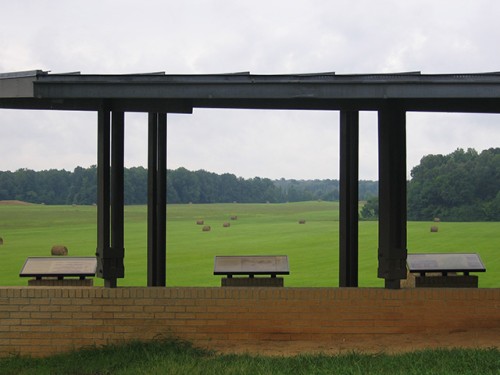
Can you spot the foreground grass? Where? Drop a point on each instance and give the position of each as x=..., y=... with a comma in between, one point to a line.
x=173, y=357
x=312, y=249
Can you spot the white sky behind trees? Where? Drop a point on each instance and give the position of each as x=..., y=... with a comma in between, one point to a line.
x=263, y=37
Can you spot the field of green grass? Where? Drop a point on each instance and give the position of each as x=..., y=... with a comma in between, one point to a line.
x=173, y=357
x=312, y=248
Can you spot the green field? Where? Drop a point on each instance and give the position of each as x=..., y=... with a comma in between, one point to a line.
x=312, y=248
x=174, y=357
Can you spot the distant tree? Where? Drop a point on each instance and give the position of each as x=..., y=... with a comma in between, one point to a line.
x=367, y=189
x=370, y=209
x=208, y=186
x=136, y=187
x=461, y=186
x=52, y=185
x=183, y=186
x=492, y=209
x=83, y=186
x=328, y=190
x=7, y=185
x=172, y=196
x=186, y=184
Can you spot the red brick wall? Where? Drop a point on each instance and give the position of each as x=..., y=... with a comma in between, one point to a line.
x=44, y=320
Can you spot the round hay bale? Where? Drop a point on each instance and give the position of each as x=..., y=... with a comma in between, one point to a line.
x=302, y=221
x=226, y=225
x=1, y=241
x=200, y=222
x=206, y=228
x=234, y=217
x=434, y=229
x=59, y=250
x=437, y=220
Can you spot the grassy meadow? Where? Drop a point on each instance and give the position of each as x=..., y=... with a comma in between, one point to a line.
x=312, y=248
x=173, y=357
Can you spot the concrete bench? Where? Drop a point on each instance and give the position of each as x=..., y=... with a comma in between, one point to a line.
x=441, y=269
x=251, y=266
x=51, y=271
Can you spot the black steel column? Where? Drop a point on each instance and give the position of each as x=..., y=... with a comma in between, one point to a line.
x=110, y=154
x=117, y=200
x=392, y=251
x=152, y=217
x=349, y=156
x=161, y=201
x=103, y=188
x=157, y=187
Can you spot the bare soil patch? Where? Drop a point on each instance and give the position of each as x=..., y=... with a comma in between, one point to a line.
x=14, y=203
x=370, y=344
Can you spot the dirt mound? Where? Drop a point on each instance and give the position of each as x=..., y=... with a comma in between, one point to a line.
x=14, y=203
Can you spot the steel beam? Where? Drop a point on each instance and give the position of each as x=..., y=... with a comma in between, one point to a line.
x=161, y=200
x=117, y=269
x=349, y=155
x=110, y=168
x=157, y=195
x=152, y=202
x=392, y=250
x=103, y=188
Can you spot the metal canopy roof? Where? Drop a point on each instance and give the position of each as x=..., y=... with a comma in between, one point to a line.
x=159, y=92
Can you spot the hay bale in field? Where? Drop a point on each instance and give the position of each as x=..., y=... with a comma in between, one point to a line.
x=434, y=229
x=206, y=228
x=200, y=222
x=437, y=220
x=59, y=250
x=226, y=225
x=302, y=221
x=234, y=217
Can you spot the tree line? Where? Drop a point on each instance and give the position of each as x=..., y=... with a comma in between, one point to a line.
x=460, y=186
x=183, y=186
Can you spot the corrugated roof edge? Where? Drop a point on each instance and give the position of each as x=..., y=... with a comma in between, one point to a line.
x=23, y=74
x=34, y=73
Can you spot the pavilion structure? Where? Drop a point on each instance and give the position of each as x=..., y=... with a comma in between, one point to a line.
x=158, y=94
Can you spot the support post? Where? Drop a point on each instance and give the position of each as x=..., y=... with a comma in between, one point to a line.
x=103, y=188
x=162, y=200
x=152, y=217
x=157, y=195
x=392, y=252
x=349, y=156
x=110, y=154
x=117, y=199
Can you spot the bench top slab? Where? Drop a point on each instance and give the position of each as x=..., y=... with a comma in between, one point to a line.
x=252, y=265
x=449, y=262
x=59, y=266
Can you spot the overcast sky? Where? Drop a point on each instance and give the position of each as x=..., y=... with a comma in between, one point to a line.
x=263, y=37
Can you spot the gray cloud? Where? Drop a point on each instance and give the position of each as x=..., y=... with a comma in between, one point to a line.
x=213, y=36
